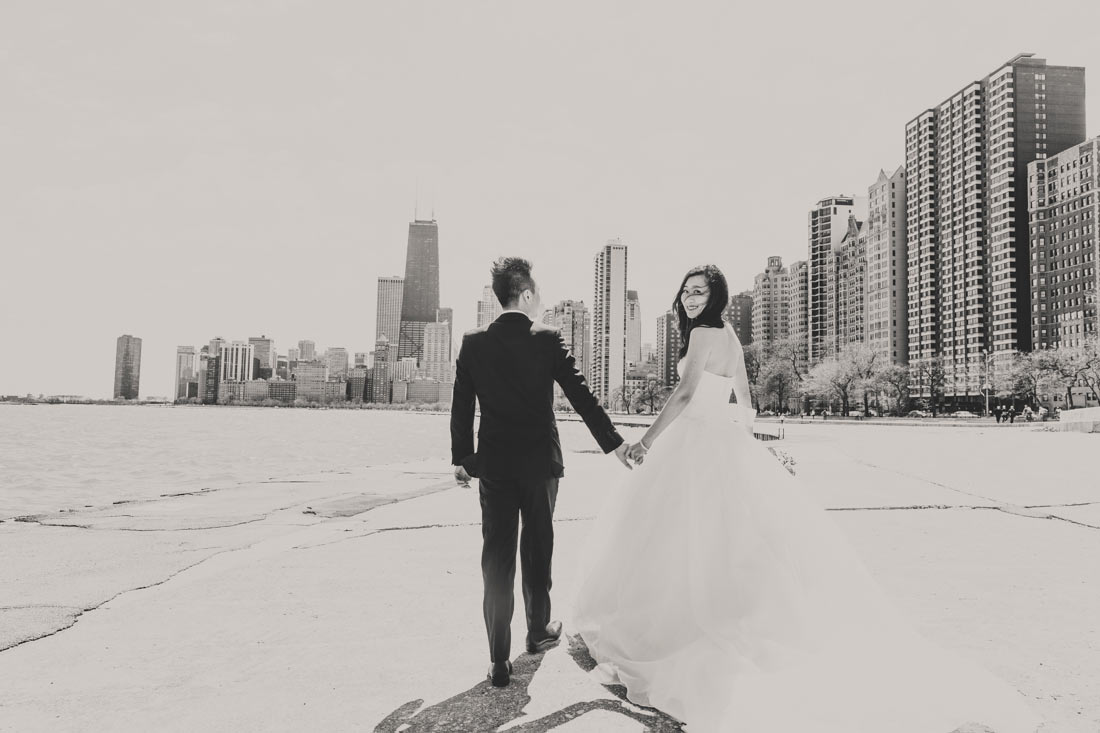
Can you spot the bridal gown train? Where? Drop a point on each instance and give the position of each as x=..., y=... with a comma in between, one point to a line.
x=715, y=590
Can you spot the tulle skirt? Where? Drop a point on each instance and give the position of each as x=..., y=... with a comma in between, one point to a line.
x=715, y=590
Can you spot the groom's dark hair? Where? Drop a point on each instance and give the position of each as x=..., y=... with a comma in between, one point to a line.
x=511, y=276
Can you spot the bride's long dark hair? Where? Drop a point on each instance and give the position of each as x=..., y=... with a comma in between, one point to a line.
x=712, y=313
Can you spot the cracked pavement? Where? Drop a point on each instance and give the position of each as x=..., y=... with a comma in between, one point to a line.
x=351, y=601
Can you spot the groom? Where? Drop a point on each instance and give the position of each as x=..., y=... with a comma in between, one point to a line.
x=510, y=367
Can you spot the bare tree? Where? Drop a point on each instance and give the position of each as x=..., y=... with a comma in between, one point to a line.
x=651, y=398
x=930, y=373
x=1065, y=366
x=894, y=380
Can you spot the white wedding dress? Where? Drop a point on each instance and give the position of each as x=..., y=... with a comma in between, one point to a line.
x=715, y=590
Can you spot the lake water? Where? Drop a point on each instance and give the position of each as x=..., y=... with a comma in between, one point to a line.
x=69, y=456
x=55, y=457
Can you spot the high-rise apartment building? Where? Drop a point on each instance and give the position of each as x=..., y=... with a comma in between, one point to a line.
x=570, y=317
x=420, y=295
x=850, y=287
x=771, y=305
x=887, y=317
x=827, y=226
x=488, y=308
x=185, y=370
x=362, y=359
x=966, y=210
x=391, y=293
x=608, y=363
x=293, y=355
x=798, y=295
x=127, y=367
x=307, y=351
x=633, y=330
x=739, y=314
x=668, y=349
x=236, y=362
x=1064, y=207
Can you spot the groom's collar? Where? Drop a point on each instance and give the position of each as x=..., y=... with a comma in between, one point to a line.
x=519, y=312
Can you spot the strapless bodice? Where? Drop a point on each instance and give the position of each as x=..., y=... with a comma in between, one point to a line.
x=711, y=401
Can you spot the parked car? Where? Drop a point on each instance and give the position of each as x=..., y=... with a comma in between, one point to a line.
x=964, y=413
x=919, y=413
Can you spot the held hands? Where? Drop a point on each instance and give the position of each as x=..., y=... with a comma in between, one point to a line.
x=631, y=455
x=621, y=454
x=637, y=452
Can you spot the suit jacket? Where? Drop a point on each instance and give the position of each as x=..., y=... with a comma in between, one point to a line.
x=510, y=367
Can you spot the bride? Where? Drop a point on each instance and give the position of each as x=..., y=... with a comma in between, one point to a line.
x=715, y=590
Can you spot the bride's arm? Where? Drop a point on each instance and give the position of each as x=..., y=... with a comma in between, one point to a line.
x=741, y=389
x=699, y=347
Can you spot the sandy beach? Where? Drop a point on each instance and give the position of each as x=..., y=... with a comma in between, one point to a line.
x=351, y=600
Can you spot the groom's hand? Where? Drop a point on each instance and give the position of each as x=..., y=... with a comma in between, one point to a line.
x=620, y=453
x=461, y=476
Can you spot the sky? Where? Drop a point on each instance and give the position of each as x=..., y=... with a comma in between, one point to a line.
x=181, y=171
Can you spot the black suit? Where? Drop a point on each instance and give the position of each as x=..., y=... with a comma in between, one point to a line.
x=510, y=367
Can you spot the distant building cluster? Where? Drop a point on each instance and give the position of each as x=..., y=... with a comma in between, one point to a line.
x=982, y=245
x=412, y=359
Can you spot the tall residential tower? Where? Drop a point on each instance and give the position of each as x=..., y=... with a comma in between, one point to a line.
x=608, y=365
x=967, y=217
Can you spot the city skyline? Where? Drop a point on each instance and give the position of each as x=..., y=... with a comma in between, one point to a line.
x=603, y=135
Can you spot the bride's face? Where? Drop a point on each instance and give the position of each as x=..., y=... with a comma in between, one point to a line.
x=695, y=295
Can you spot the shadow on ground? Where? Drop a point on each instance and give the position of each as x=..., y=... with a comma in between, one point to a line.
x=485, y=708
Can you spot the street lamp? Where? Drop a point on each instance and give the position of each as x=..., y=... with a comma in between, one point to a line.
x=988, y=385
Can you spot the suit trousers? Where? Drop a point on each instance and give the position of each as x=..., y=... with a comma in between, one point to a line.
x=503, y=503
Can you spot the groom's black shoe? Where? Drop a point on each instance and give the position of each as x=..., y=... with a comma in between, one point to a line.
x=546, y=640
x=500, y=673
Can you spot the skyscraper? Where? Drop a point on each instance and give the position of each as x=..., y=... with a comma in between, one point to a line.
x=236, y=362
x=668, y=349
x=185, y=370
x=436, y=363
x=887, y=324
x=609, y=321
x=420, y=297
x=488, y=308
x=827, y=226
x=571, y=318
x=966, y=210
x=127, y=367
x=265, y=351
x=851, y=285
x=633, y=330
x=307, y=350
x=739, y=314
x=381, y=373
x=336, y=359
x=391, y=291
x=771, y=311
x=1065, y=278
x=798, y=290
